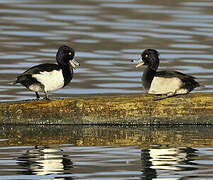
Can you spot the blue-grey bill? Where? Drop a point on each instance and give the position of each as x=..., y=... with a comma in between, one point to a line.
x=74, y=63
x=139, y=62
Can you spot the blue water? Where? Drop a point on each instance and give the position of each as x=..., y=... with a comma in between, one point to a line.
x=98, y=152
x=106, y=36
x=104, y=162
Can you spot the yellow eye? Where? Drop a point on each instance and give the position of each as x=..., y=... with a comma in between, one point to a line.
x=146, y=55
x=70, y=53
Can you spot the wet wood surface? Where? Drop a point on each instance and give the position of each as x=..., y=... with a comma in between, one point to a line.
x=195, y=108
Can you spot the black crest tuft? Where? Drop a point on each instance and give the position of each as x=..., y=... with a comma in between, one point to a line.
x=65, y=54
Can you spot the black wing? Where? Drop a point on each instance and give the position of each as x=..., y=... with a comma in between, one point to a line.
x=41, y=68
x=171, y=74
x=187, y=80
x=26, y=78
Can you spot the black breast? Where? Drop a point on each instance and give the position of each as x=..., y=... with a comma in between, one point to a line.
x=147, y=78
x=67, y=74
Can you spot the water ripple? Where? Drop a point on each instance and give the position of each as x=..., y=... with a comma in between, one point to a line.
x=106, y=36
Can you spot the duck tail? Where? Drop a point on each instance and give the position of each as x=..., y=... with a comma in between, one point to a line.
x=18, y=80
x=200, y=85
x=191, y=84
x=14, y=82
x=196, y=84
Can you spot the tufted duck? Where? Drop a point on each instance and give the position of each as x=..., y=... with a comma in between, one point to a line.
x=50, y=77
x=163, y=83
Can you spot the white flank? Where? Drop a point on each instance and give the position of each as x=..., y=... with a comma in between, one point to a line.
x=182, y=91
x=51, y=80
x=161, y=85
x=36, y=88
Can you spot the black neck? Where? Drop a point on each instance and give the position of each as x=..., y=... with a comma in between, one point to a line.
x=147, y=78
x=67, y=73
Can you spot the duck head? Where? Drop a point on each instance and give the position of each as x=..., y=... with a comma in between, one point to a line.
x=65, y=56
x=149, y=57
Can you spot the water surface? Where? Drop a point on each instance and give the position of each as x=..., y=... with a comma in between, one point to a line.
x=92, y=152
x=106, y=36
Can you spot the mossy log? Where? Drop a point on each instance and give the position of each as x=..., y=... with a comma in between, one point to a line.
x=195, y=108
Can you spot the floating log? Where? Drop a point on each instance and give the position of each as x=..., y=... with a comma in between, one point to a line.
x=195, y=108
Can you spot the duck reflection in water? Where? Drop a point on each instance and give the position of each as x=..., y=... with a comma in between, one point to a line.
x=46, y=161
x=166, y=160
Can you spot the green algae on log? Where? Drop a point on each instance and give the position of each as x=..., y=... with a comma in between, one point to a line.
x=195, y=108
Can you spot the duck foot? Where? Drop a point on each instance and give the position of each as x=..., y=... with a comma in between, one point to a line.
x=160, y=97
x=46, y=96
x=157, y=98
x=37, y=96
